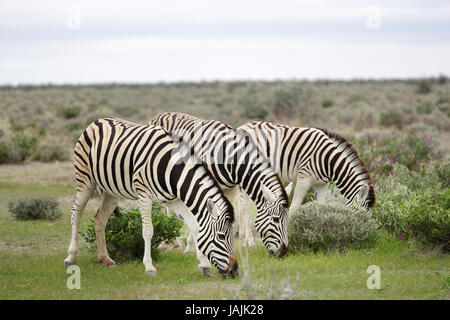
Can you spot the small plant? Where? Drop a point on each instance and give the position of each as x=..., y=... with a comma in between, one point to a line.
x=423, y=87
x=35, y=208
x=391, y=118
x=442, y=173
x=285, y=102
x=328, y=227
x=425, y=108
x=442, y=79
x=18, y=148
x=252, y=108
x=50, y=151
x=327, y=103
x=69, y=112
x=123, y=233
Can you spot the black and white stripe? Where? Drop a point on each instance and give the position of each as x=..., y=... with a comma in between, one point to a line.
x=234, y=161
x=313, y=157
x=127, y=160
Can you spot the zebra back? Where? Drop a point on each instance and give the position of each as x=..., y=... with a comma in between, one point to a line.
x=229, y=154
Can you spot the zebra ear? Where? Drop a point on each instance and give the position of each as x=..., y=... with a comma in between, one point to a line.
x=269, y=195
x=212, y=209
x=289, y=188
x=363, y=192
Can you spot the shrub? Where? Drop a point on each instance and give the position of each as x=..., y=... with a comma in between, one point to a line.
x=442, y=79
x=391, y=118
x=414, y=206
x=124, y=233
x=4, y=152
x=18, y=148
x=252, y=108
x=26, y=145
x=442, y=173
x=69, y=112
x=380, y=152
x=327, y=103
x=50, y=151
x=423, y=87
x=330, y=227
x=285, y=102
x=425, y=108
x=35, y=208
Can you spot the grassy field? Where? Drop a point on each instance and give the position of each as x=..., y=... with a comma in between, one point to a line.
x=32, y=254
x=39, y=126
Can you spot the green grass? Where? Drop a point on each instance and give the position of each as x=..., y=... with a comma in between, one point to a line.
x=32, y=254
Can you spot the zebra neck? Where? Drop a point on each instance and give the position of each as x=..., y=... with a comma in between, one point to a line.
x=348, y=175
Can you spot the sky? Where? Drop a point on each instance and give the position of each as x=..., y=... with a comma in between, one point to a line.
x=60, y=42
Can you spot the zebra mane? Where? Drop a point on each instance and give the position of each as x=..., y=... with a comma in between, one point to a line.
x=350, y=150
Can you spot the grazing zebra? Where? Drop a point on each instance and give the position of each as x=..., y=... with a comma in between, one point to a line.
x=236, y=163
x=311, y=157
x=144, y=163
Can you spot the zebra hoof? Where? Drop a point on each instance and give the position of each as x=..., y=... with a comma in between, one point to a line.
x=67, y=263
x=151, y=273
x=205, y=271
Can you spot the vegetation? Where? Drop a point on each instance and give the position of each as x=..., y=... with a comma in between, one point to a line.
x=415, y=206
x=330, y=226
x=35, y=208
x=400, y=131
x=123, y=233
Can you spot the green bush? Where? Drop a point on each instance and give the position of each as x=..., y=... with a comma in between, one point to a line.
x=285, y=102
x=329, y=227
x=4, y=152
x=391, y=118
x=252, y=108
x=425, y=108
x=415, y=206
x=35, y=208
x=18, y=148
x=423, y=87
x=50, y=151
x=69, y=112
x=327, y=103
x=124, y=233
x=442, y=173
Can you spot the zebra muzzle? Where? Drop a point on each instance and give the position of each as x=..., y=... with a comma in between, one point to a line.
x=233, y=268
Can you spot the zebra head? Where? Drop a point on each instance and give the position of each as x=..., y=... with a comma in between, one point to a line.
x=271, y=222
x=215, y=239
x=363, y=197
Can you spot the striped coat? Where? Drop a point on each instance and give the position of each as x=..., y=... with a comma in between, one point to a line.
x=235, y=162
x=144, y=163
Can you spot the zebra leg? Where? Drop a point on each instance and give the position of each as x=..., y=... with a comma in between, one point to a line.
x=81, y=200
x=100, y=221
x=245, y=231
x=321, y=192
x=204, y=266
x=301, y=187
x=190, y=243
x=145, y=207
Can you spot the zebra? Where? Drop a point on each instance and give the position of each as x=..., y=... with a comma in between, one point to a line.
x=143, y=162
x=310, y=157
x=234, y=162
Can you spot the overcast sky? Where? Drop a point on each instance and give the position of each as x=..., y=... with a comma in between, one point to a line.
x=149, y=41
